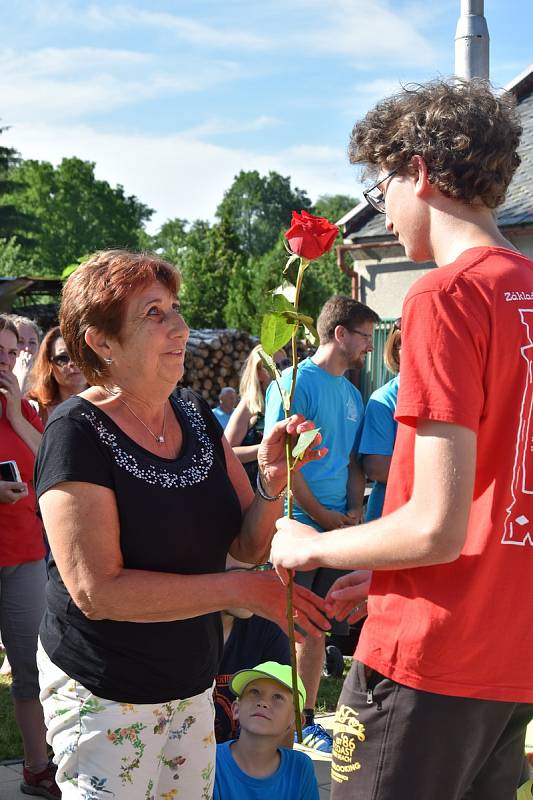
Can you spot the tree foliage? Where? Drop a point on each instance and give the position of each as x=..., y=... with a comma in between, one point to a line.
x=76, y=212
x=11, y=261
x=259, y=207
x=14, y=223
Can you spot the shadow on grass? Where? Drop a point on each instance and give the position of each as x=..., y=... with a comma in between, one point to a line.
x=10, y=741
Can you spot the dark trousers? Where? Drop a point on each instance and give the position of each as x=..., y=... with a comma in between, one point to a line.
x=395, y=743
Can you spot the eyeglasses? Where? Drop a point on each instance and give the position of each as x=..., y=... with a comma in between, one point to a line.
x=368, y=336
x=377, y=200
x=61, y=360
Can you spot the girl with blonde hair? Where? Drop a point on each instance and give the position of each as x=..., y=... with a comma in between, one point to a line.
x=245, y=429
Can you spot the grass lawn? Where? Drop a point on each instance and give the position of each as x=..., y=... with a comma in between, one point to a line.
x=330, y=689
x=10, y=742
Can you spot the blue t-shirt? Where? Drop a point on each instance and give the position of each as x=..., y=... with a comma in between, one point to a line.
x=294, y=778
x=336, y=407
x=378, y=437
x=222, y=416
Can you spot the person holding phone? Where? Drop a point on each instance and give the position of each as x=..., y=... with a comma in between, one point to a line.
x=22, y=566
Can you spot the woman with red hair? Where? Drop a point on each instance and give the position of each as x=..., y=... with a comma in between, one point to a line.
x=55, y=377
x=142, y=499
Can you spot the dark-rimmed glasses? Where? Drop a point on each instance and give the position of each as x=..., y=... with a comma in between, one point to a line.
x=377, y=200
x=367, y=336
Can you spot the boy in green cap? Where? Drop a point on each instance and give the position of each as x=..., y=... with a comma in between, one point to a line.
x=255, y=766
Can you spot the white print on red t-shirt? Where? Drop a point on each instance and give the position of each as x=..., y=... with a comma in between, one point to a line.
x=518, y=526
x=518, y=296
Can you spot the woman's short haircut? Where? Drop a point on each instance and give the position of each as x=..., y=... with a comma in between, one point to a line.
x=96, y=295
x=7, y=324
x=467, y=135
x=341, y=310
x=391, y=351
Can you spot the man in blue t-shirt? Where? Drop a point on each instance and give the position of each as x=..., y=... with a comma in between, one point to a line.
x=328, y=493
x=256, y=765
x=377, y=442
x=227, y=400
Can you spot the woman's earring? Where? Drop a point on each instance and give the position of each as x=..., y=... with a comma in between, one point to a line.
x=108, y=361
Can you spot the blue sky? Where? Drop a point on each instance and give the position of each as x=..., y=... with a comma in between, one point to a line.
x=172, y=99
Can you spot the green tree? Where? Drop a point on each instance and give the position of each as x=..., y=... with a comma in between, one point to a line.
x=259, y=207
x=13, y=222
x=334, y=206
x=12, y=262
x=76, y=212
x=210, y=260
x=326, y=272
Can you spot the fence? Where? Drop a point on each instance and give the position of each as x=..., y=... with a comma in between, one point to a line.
x=374, y=374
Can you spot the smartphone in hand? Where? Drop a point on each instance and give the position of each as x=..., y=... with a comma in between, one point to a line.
x=9, y=471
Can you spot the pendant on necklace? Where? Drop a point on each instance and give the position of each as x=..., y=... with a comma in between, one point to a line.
x=161, y=439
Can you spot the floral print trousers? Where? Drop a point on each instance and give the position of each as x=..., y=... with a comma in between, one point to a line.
x=106, y=750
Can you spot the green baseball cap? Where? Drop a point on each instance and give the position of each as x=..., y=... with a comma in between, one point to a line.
x=269, y=669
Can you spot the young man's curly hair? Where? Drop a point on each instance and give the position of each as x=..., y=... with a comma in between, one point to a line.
x=467, y=135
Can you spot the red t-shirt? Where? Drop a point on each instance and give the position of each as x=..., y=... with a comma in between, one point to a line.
x=21, y=531
x=464, y=628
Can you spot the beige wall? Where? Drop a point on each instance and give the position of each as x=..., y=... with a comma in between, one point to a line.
x=384, y=284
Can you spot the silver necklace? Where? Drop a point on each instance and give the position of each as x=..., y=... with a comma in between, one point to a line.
x=159, y=439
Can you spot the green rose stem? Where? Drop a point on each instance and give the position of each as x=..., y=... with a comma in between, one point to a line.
x=290, y=466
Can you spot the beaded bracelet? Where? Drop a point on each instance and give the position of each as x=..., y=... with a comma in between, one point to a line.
x=264, y=495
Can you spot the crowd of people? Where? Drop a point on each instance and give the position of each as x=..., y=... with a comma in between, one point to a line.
x=143, y=623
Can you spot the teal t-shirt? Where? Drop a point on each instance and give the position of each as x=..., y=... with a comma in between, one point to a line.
x=295, y=778
x=336, y=407
x=378, y=437
x=222, y=416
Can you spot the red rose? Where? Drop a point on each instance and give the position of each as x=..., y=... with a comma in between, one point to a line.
x=309, y=236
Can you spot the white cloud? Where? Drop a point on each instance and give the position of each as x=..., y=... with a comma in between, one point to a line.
x=181, y=176
x=369, y=33
x=354, y=29
x=123, y=16
x=61, y=84
x=216, y=126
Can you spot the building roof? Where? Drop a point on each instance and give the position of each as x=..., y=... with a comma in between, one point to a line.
x=364, y=223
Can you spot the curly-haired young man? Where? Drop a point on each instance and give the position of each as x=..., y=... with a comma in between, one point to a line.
x=438, y=698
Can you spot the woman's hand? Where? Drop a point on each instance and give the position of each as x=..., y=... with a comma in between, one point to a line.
x=264, y=594
x=272, y=457
x=9, y=387
x=346, y=599
x=23, y=367
x=12, y=491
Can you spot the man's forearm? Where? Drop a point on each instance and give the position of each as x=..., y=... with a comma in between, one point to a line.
x=391, y=542
x=305, y=498
x=356, y=486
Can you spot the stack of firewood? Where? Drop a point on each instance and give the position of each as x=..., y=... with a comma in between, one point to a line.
x=214, y=359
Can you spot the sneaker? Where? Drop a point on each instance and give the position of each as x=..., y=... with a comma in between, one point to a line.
x=334, y=662
x=317, y=739
x=42, y=783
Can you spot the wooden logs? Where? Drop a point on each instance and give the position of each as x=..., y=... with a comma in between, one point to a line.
x=214, y=359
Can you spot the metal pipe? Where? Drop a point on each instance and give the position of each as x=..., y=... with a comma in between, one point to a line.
x=472, y=42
